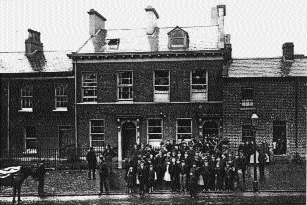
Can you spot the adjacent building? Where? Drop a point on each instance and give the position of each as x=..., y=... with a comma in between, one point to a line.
x=275, y=90
x=37, y=98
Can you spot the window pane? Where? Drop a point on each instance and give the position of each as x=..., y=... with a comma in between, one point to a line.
x=177, y=41
x=184, y=136
x=154, y=122
x=89, y=86
x=97, y=137
x=30, y=132
x=184, y=122
x=31, y=144
x=155, y=136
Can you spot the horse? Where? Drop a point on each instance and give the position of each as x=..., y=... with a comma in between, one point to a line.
x=11, y=177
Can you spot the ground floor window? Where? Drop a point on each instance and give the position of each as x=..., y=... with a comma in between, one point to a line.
x=247, y=133
x=184, y=129
x=279, y=137
x=154, y=132
x=30, y=139
x=97, y=133
x=210, y=129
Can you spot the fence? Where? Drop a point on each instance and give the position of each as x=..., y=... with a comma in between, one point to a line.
x=71, y=158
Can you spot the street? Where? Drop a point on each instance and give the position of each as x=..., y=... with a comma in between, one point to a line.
x=208, y=198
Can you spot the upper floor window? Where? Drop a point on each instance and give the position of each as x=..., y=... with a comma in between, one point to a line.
x=89, y=87
x=247, y=97
x=199, y=85
x=61, y=97
x=27, y=98
x=97, y=133
x=161, y=86
x=125, y=85
x=178, y=38
x=30, y=139
x=247, y=133
x=184, y=129
x=154, y=132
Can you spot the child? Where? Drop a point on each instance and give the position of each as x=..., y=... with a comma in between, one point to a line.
x=167, y=175
x=130, y=180
x=228, y=177
x=193, y=183
x=152, y=177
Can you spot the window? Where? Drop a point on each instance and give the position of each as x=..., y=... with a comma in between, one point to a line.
x=97, y=133
x=161, y=86
x=30, y=139
x=184, y=129
x=154, y=131
x=247, y=133
x=61, y=97
x=178, y=38
x=125, y=85
x=199, y=85
x=27, y=98
x=89, y=87
x=247, y=97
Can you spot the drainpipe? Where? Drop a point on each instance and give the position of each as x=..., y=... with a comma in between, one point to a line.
x=296, y=114
x=8, y=117
x=76, y=128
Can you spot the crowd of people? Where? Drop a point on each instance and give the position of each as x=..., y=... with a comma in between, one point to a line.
x=206, y=164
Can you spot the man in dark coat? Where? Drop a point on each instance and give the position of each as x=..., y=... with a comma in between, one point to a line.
x=262, y=159
x=103, y=175
x=40, y=172
x=109, y=154
x=142, y=173
x=92, y=162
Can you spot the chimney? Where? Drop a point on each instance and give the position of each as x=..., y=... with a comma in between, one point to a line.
x=214, y=15
x=33, y=43
x=97, y=30
x=152, y=20
x=221, y=12
x=288, y=51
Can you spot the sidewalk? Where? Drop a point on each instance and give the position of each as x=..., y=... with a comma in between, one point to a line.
x=278, y=177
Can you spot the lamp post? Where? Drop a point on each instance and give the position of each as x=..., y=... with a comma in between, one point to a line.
x=255, y=119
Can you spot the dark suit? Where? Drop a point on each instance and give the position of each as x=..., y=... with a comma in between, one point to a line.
x=142, y=177
x=104, y=175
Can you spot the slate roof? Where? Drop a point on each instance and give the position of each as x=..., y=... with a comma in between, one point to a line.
x=136, y=40
x=48, y=61
x=274, y=67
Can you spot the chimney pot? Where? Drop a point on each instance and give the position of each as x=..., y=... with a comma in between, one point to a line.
x=288, y=51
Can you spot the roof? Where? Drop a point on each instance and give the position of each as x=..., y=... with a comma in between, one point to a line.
x=48, y=61
x=274, y=67
x=136, y=40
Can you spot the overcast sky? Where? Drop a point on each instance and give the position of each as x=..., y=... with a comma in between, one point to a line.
x=257, y=28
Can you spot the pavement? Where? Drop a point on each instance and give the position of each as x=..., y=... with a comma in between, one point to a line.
x=281, y=181
x=280, y=198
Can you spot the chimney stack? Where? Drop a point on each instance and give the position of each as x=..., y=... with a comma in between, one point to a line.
x=221, y=12
x=288, y=51
x=152, y=20
x=33, y=43
x=97, y=30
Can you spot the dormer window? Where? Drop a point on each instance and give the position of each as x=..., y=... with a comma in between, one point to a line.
x=178, y=39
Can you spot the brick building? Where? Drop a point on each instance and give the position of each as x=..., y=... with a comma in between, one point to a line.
x=148, y=85
x=37, y=95
x=274, y=89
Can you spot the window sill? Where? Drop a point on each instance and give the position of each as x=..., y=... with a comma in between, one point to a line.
x=124, y=102
x=62, y=109
x=26, y=110
x=247, y=108
x=88, y=102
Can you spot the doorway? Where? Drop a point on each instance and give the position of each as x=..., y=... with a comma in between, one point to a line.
x=279, y=137
x=128, y=137
x=65, y=140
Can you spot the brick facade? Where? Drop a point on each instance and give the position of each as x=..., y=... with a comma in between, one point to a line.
x=275, y=99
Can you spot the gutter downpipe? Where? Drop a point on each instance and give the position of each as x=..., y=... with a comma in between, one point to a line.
x=8, y=117
x=296, y=114
x=76, y=128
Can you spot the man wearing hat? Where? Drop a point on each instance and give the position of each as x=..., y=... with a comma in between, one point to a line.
x=40, y=172
x=183, y=175
x=92, y=162
x=103, y=175
x=142, y=177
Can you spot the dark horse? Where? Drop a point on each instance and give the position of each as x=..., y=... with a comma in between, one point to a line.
x=15, y=180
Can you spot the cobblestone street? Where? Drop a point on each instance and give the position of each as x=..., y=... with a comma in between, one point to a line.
x=290, y=177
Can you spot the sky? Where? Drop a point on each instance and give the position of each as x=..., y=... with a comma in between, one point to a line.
x=257, y=28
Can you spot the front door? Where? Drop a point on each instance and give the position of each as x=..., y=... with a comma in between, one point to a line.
x=279, y=137
x=128, y=137
x=65, y=137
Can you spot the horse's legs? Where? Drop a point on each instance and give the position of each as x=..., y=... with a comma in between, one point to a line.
x=19, y=189
x=14, y=194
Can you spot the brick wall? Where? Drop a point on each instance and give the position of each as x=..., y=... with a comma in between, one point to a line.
x=275, y=99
